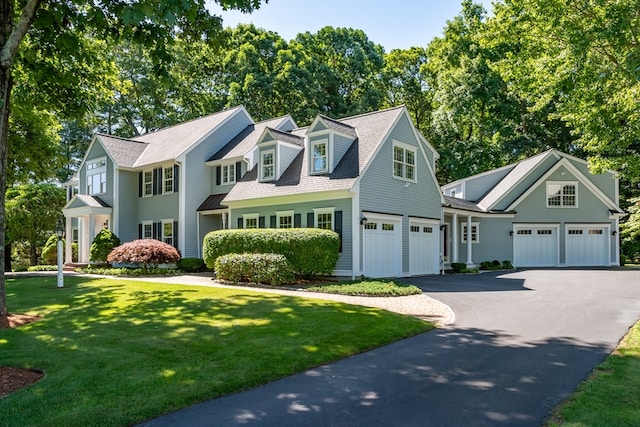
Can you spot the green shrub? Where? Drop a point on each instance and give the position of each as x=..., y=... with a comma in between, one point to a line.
x=43, y=268
x=506, y=264
x=50, y=250
x=495, y=263
x=192, y=265
x=486, y=265
x=102, y=245
x=133, y=272
x=270, y=269
x=458, y=267
x=309, y=250
x=623, y=260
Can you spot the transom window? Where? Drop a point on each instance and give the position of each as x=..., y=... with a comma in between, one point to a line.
x=324, y=218
x=474, y=232
x=167, y=175
x=167, y=231
x=267, y=165
x=562, y=194
x=229, y=174
x=404, y=162
x=319, y=162
x=284, y=219
x=148, y=183
x=97, y=177
x=250, y=220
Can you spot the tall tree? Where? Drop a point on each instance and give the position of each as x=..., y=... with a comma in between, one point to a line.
x=52, y=33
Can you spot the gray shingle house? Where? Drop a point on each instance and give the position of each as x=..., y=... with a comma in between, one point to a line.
x=369, y=177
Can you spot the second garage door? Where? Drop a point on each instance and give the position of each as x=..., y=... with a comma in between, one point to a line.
x=382, y=247
x=536, y=245
x=424, y=247
x=587, y=245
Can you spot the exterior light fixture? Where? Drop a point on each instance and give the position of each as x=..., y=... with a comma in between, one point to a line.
x=60, y=232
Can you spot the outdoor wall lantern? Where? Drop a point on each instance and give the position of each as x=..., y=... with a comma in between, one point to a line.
x=60, y=234
x=614, y=233
x=511, y=233
x=363, y=220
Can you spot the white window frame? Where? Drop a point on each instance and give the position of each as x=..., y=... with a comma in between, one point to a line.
x=228, y=173
x=406, y=148
x=144, y=229
x=166, y=180
x=561, y=194
x=284, y=214
x=263, y=154
x=248, y=217
x=147, y=184
x=97, y=176
x=324, y=142
x=463, y=232
x=164, y=236
x=320, y=211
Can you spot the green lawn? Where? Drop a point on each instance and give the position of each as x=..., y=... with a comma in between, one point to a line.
x=116, y=352
x=611, y=395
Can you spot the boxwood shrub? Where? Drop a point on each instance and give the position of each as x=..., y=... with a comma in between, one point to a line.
x=310, y=251
x=191, y=265
x=270, y=269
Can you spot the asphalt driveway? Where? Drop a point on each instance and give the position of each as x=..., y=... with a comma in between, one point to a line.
x=521, y=342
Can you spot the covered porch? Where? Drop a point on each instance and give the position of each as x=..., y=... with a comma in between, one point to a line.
x=91, y=215
x=211, y=215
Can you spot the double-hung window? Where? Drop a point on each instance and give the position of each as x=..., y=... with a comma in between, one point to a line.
x=167, y=175
x=250, y=220
x=404, y=161
x=229, y=173
x=319, y=160
x=97, y=177
x=267, y=165
x=167, y=231
x=147, y=183
x=284, y=219
x=147, y=229
x=324, y=218
x=474, y=232
x=562, y=194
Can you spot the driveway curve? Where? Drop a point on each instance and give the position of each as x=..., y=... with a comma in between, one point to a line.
x=521, y=342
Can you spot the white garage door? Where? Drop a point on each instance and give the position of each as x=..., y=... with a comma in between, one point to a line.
x=424, y=247
x=382, y=247
x=587, y=245
x=536, y=245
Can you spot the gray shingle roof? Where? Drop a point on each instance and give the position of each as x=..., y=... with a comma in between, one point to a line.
x=213, y=202
x=372, y=128
x=457, y=203
x=124, y=152
x=287, y=137
x=339, y=126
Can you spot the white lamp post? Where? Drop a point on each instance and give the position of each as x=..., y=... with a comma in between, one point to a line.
x=60, y=234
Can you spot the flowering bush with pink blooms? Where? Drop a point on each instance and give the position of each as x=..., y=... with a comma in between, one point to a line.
x=148, y=253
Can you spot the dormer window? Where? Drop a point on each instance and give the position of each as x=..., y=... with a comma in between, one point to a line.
x=229, y=173
x=267, y=165
x=319, y=160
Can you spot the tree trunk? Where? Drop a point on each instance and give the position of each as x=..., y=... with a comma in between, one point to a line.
x=7, y=257
x=5, y=91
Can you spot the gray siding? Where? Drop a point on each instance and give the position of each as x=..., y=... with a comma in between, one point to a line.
x=477, y=187
x=605, y=182
x=208, y=223
x=128, y=206
x=97, y=151
x=340, y=146
x=381, y=192
x=517, y=190
x=494, y=241
x=344, y=205
x=197, y=178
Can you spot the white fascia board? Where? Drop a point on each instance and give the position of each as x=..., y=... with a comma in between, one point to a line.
x=451, y=211
x=288, y=199
x=577, y=174
x=225, y=161
x=84, y=159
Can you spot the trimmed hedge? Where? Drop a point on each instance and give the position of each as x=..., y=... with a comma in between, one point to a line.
x=191, y=265
x=102, y=245
x=270, y=269
x=310, y=251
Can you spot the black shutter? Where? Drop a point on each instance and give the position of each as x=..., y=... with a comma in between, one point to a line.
x=338, y=226
x=273, y=221
x=155, y=183
x=297, y=220
x=160, y=181
x=218, y=175
x=261, y=222
x=140, y=184
x=175, y=234
x=176, y=173
x=140, y=231
x=238, y=171
x=310, y=220
x=239, y=222
x=154, y=230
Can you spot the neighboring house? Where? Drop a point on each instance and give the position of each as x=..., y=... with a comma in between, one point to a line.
x=545, y=211
x=370, y=178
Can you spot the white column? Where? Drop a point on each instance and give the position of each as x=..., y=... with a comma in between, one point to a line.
x=469, y=242
x=616, y=239
x=68, y=258
x=454, y=238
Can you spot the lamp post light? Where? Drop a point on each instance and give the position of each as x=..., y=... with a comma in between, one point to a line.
x=60, y=234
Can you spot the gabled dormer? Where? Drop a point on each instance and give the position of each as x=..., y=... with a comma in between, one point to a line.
x=275, y=152
x=327, y=141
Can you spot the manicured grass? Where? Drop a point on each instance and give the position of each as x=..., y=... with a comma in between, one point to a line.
x=371, y=287
x=116, y=352
x=611, y=395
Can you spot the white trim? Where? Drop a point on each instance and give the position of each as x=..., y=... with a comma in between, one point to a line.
x=290, y=198
x=261, y=176
x=164, y=180
x=576, y=173
x=231, y=178
x=284, y=214
x=246, y=217
x=173, y=233
x=115, y=216
x=516, y=226
x=147, y=222
x=144, y=183
x=182, y=215
x=451, y=211
x=327, y=157
x=405, y=149
x=355, y=230
x=583, y=226
x=319, y=211
x=462, y=232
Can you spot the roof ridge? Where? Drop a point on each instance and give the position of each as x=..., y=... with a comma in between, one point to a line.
x=370, y=113
x=122, y=138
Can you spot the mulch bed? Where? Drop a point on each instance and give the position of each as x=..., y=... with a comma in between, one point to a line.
x=13, y=379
